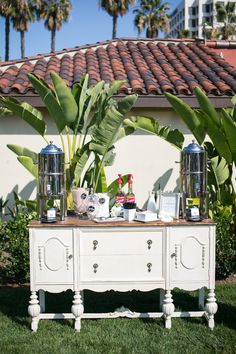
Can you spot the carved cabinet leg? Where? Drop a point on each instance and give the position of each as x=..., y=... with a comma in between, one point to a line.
x=168, y=308
x=77, y=309
x=34, y=310
x=211, y=308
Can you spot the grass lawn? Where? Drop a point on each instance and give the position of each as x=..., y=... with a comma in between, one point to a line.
x=116, y=335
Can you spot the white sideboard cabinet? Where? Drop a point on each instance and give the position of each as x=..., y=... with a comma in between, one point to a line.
x=81, y=254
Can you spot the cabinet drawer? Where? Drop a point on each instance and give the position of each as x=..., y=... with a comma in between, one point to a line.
x=105, y=242
x=120, y=268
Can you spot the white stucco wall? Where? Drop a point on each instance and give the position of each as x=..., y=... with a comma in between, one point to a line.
x=150, y=159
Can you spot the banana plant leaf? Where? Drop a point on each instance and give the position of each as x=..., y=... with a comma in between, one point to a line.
x=27, y=112
x=218, y=171
x=80, y=95
x=206, y=105
x=230, y=131
x=115, y=86
x=151, y=126
x=126, y=103
x=188, y=115
x=23, y=151
x=4, y=112
x=65, y=98
x=123, y=132
x=50, y=100
x=104, y=134
x=109, y=157
x=78, y=163
x=28, y=163
x=101, y=186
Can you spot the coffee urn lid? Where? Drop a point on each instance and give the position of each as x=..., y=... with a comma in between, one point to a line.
x=51, y=149
x=193, y=148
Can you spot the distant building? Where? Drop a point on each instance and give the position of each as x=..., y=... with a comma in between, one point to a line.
x=192, y=15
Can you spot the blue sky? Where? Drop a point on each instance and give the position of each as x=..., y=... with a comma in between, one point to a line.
x=87, y=24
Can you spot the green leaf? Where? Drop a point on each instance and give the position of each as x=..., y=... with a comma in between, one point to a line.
x=123, y=132
x=115, y=86
x=151, y=125
x=48, y=97
x=230, y=132
x=79, y=162
x=233, y=100
x=22, y=151
x=65, y=98
x=28, y=163
x=220, y=170
x=206, y=105
x=105, y=133
x=109, y=157
x=188, y=116
x=126, y=103
x=27, y=112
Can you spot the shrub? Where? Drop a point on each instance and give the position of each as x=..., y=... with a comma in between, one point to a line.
x=225, y=240
x=14, y=249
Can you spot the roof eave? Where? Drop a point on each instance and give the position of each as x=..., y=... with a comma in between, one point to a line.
x=143, y=101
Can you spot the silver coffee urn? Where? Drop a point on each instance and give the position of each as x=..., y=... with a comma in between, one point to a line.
x=193, y=179
x=51, y=184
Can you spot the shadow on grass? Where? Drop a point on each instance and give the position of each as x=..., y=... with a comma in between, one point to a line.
x=14, y=304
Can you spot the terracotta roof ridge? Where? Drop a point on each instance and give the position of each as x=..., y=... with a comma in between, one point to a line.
x=221, y=44
x=95, y=45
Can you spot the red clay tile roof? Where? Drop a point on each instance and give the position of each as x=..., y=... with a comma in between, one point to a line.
x=149, y=67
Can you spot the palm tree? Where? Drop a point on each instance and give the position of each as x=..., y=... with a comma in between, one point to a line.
x=55, y=12
x=115, y=8
x=22, y=15
x=6, y=11
x=226, y=14
x=151, y=15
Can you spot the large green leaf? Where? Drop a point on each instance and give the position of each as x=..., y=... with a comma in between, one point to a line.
x=27, y=112
x=65, y=98
x=206, y=105
x=150, y=125
x=220, y=171
x=79, y=162
x=50, y=100
x=115, y=86
x=188, y=115
x=230, y=132
x=23, y=151
x=28, y=163
x=126, y=103
x=105, y=133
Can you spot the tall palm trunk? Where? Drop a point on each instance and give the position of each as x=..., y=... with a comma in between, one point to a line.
x=7, y=37
x=114, y=28
x=22, y=43
x=53, y=38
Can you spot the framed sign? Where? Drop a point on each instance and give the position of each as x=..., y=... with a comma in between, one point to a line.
x=169, y=204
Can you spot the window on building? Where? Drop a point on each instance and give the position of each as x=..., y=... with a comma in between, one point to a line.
x=183, y=12
x=207, y=8
x=193, y=23
x=193, y=10
x=197, y=10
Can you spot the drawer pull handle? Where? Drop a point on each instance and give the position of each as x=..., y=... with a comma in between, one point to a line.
x=95, y=267
x=95, y=243
x=149, y=265
x=149, y=242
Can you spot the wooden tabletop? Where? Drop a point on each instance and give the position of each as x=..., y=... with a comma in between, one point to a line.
x=76, y=222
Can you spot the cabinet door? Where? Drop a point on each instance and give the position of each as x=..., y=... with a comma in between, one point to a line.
x=189, y=255
x=52, y=258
